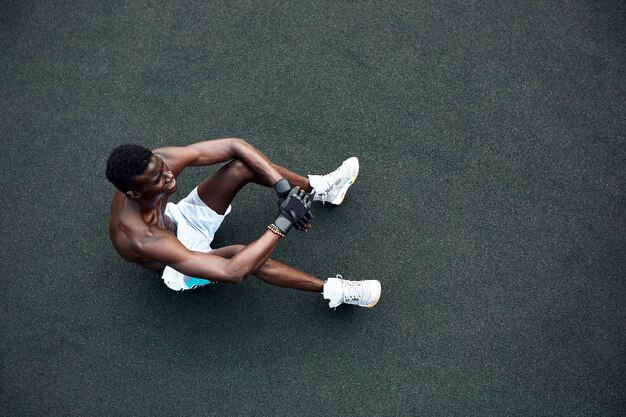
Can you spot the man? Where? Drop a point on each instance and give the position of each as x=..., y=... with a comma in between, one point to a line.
x=175, y=238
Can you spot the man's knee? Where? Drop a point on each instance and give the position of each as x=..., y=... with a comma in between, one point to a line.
x=240, y=169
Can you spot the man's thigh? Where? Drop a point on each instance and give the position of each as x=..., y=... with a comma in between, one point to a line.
x=220, y=188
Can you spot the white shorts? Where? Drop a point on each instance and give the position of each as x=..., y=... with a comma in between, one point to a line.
x=196, y=224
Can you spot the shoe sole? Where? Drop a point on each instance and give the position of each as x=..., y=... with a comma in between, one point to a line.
x=342, y=194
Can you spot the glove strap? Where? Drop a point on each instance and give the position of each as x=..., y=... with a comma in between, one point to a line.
x=283, y=224
x=282, y=187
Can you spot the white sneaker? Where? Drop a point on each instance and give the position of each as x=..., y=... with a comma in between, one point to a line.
x=333, y=187
x=360, y=293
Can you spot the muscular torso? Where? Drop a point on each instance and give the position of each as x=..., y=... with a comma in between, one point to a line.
x=130, y=225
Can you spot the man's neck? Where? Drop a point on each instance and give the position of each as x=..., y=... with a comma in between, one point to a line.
x=144, y=204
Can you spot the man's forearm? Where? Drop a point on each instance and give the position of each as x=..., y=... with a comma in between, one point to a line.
x=253, y=256
x=215, y=151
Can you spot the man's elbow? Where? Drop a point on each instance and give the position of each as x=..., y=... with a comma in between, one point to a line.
x=235, y=278
x=236, y=275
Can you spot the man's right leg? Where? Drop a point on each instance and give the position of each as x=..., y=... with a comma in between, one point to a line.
x=336, y=290
x=277, y=273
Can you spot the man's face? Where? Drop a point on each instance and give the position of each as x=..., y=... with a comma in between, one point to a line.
x=155, y=181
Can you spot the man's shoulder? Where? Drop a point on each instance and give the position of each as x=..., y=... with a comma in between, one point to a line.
x=124, y=223
x=177, y=158
x=135, y=239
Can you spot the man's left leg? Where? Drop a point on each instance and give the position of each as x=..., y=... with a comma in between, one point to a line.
x=331, y=187
x=219, y=189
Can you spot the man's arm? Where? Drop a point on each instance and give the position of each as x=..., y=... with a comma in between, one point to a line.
x=163, y=247
x=219, y=150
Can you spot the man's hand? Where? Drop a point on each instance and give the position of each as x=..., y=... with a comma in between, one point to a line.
x=295, y=210
x=282, y=189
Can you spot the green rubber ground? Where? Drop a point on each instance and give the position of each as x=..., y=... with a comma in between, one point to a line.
x=490, y=205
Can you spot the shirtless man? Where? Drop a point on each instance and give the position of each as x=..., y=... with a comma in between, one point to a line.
x=148, y=230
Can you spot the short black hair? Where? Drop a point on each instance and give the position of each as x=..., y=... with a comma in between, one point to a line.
x=125, y=163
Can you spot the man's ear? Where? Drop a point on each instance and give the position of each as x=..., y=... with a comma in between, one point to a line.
x=133, y=195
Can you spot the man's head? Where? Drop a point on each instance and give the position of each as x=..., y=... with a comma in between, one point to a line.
x=139, y=173
x=125, y=163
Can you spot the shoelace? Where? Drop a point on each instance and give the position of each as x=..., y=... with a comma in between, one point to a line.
x=351, y=291
x=332, y=179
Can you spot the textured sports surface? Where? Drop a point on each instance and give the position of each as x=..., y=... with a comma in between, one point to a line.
x=490, y=205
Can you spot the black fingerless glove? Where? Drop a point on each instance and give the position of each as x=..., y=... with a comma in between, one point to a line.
x=295, y=210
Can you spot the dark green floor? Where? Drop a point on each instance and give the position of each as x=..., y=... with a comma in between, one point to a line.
x=490, y=205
